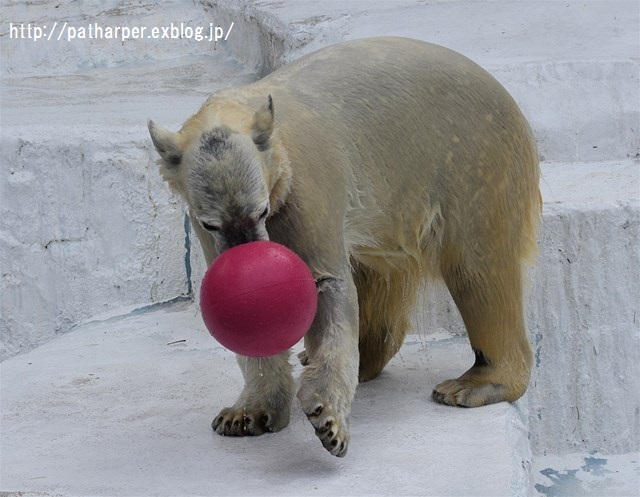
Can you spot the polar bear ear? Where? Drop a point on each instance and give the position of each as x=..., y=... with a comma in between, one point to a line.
x=263, y=126
x=166, y=144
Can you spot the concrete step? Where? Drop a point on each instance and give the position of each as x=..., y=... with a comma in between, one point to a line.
x=87, y=225
x=573, y=67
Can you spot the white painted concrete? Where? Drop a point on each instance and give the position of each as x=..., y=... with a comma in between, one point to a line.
x=87, y=225
x=583, y=314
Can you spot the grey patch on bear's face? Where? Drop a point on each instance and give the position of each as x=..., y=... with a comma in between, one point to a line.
x=227, y=189
x=215, y=142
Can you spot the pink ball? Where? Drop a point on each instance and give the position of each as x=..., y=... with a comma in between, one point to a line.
x=258, y=299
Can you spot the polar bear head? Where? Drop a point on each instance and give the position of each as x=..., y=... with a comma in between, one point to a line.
x=227, y=172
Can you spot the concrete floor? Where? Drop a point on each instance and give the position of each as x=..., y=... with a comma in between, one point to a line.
x=123, y=408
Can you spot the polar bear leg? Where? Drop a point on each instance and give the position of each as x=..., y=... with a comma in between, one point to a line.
x=386, y=298
x=490, y=302
x=265, y=402
x=330, y=376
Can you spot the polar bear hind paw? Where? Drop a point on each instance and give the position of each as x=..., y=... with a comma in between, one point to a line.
x=465, y=393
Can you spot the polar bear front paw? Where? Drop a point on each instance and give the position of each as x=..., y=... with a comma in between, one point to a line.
x=241, y=421
x=331, y=428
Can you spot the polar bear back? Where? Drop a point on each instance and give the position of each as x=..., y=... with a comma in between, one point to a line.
x=411, y=127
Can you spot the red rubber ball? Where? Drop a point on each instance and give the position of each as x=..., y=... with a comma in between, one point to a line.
x=258, y=299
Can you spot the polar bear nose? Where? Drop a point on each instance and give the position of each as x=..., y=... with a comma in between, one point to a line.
x=241, y=231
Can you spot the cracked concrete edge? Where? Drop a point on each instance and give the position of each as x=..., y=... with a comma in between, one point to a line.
x=261, y=39
x=258, y=39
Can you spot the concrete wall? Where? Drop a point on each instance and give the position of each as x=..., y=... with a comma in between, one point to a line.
x=86, y=227
x=584, y=319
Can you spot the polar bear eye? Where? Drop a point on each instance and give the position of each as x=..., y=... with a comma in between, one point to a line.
x=210, y=227
x=264, y=213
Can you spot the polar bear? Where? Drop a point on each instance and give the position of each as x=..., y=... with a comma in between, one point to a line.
x=381, y=162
